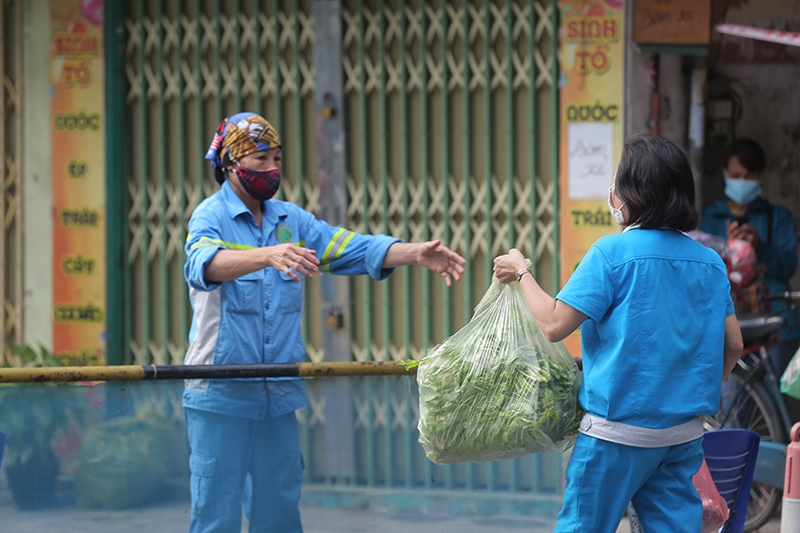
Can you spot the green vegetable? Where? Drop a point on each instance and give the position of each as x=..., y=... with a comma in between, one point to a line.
x=497, y=389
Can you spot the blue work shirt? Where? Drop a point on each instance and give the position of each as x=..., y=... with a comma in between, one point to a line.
x=777, y=251
x=255, y=319
x=656, y=302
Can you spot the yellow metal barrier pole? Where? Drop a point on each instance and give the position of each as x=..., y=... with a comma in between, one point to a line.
x=153, y=372
x=71, y=373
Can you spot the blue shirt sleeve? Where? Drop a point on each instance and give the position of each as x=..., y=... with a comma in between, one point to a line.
x=346, y=252
x=202, y=244
x=590, y=289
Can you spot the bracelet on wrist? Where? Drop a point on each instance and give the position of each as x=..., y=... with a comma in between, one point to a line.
x=522, y=272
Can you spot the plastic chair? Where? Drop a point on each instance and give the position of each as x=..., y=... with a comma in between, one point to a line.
x=731, y=457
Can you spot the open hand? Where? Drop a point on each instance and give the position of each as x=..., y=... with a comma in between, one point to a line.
x=434, y=256
x=288, y=257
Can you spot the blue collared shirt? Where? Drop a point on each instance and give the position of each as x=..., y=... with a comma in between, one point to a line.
x=657, y=303
x=255, y=319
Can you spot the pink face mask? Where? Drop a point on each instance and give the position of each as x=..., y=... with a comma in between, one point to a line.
x=259, y=184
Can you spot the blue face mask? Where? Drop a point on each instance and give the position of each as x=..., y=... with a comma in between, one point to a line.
x=742, y=191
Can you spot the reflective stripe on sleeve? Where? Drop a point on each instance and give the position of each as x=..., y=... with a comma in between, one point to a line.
x=205, y=241
x=336, y=247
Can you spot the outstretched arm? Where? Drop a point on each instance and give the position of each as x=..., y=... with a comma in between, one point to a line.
x=433, y=255
x=555, y=318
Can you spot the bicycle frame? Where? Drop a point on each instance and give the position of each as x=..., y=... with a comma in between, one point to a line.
x=756, y=362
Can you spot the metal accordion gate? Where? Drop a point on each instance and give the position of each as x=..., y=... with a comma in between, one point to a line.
x=11, y=144
x=451, y=131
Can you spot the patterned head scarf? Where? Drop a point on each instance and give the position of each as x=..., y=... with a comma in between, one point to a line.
x=238, y=136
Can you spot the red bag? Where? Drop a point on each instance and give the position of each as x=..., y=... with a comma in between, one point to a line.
x=741, y=263
x=715, y=509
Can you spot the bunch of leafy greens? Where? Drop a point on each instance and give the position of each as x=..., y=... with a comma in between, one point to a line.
x=497, y=389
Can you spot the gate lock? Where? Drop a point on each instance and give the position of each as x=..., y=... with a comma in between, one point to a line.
x=334, y=319
x=328, y=106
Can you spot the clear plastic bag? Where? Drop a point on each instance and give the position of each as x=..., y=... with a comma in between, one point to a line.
x=715, y=509
x=497, y=388
x=716, y=243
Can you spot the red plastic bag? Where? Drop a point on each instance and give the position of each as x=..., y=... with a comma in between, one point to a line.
x=715, y=509
x=741, y=262
x=739, y=256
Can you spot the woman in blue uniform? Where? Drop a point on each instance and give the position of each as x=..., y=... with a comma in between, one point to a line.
x=658, y=335
x=247, y=254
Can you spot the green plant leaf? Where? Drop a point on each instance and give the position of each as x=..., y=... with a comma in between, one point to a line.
x=497, y=389
x=32, y=414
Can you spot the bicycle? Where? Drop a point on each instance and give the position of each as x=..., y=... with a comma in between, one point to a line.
x=751, y=399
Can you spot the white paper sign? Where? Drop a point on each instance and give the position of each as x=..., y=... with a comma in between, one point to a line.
x=697, y=126
x=591, y=164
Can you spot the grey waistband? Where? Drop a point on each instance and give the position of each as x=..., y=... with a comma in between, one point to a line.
x=629, y=435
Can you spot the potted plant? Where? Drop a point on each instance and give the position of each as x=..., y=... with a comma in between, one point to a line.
x=125, y=461
x=32, y=415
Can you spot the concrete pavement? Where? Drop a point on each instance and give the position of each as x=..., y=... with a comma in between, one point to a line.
x=174, y=517
x=362, y=514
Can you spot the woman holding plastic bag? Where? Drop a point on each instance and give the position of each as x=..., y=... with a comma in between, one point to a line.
x=658, y=334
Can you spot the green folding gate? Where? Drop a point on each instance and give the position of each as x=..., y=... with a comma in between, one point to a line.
x=451, y=128
x=11, y=200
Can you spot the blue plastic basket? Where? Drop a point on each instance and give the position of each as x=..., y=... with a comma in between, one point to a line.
x=731, y=456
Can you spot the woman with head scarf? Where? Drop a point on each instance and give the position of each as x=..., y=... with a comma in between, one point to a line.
x=247, y=255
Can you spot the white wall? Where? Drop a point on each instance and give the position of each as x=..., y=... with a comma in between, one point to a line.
x=36, y=172
x=673, y=87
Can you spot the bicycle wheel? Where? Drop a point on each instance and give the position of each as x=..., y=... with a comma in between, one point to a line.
x=746, y=404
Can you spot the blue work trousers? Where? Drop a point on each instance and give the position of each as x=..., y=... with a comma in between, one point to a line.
x=602, y=477
x=238, y=462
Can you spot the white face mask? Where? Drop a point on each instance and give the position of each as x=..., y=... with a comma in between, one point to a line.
x=619, y=218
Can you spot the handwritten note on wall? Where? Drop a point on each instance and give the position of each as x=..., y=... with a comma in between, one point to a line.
x=676, y=22
x=591, y=163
